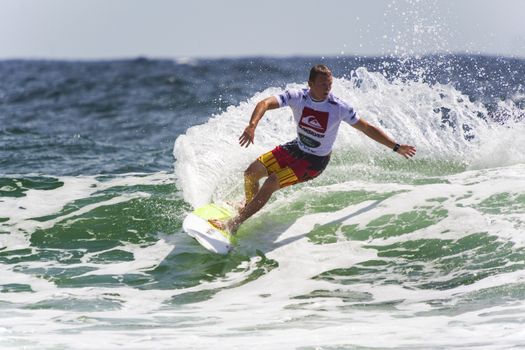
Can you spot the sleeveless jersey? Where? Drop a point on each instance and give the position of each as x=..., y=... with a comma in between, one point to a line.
x=317, y=122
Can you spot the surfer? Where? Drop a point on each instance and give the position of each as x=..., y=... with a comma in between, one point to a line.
x=318, y=114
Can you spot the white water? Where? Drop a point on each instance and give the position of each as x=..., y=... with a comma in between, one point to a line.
x=272, y=312
x=263, y=311
x=411, y=112
x=266, y=314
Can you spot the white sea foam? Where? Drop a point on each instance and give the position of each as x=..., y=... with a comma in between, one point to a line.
x=23, y=211
x=439, y=120
x=288, y=306
x=266, y=309
x=445, y=126
x=283, y=304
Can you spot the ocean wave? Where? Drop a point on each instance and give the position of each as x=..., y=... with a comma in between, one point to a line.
x=451, y=132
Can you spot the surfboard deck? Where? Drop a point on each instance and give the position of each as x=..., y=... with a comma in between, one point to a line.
x=196, y=225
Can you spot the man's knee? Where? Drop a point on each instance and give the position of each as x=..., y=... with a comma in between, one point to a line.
x=272, y=183
x=256, y=170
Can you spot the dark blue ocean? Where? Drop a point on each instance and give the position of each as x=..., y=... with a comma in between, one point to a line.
x=100, y=161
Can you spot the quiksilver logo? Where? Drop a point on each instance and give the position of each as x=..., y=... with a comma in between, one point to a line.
x=312, y=121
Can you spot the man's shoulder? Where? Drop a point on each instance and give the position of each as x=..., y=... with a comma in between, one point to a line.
x=293, y=96
x=294, y=92
x=336, y=101
x=302, y=93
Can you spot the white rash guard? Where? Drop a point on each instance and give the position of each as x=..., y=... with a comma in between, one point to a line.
x=317, y=122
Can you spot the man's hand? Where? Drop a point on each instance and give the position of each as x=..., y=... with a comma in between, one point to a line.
x=261, y=108
x=407, y=151
x=247, y=136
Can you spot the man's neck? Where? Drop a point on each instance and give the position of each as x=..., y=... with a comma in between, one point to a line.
x=315, y=99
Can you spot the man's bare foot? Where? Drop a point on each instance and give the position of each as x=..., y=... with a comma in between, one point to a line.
x=221, y=225
x=230, y=226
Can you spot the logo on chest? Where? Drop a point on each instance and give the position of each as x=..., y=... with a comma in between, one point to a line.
x=314, y=120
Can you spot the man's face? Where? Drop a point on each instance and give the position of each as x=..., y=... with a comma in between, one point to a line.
x=320, y=87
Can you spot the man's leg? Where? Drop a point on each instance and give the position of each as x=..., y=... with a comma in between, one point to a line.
x=252, y=175
x=261, y=198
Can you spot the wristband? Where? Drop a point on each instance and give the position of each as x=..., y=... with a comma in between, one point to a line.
x=396, y=147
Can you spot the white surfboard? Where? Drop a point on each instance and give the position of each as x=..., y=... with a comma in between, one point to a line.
x=197, y=226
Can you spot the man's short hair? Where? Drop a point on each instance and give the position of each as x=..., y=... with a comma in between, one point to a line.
x=319, y=69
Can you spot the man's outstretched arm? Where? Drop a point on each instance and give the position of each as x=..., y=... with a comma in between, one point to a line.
x=379, y=135
x=261, y=108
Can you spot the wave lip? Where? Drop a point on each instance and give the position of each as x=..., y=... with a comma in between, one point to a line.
x=443, y=124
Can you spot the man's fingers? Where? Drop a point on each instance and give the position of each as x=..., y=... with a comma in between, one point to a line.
x=407, y=151
x=245, y=140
